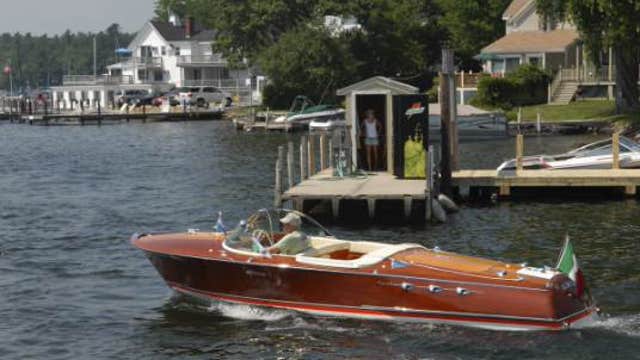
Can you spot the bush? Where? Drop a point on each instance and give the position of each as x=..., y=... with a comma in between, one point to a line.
x=525, y=86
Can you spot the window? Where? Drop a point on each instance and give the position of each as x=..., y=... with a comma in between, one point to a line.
x=536, y=61
x=209, y=90
x=163, y=51
x=157, y=75
x=177, y=51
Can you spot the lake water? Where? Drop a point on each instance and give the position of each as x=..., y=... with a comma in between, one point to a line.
x=72, y=286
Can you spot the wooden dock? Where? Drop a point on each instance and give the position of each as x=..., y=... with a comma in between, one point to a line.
x=370, y=187
x=111, y=117
x=627, y=179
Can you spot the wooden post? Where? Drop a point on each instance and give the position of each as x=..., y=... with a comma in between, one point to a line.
x=615, y=148
x=323, y=149
x=519, y=151
x=277, y=191
x=303, y=157
x=538, y=123
x=330, y=153
x=311, y=161
x=445, y=121
x=290, y=164
x=430, y=183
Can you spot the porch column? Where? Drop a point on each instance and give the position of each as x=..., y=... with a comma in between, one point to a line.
x=66, y=100
x=54, y=99
x=103, y=98
x=389, y=131
x=577, y=61
x=610, y=75
x=91, y=98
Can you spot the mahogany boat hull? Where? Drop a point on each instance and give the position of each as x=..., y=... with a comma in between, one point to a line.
x=198, y=266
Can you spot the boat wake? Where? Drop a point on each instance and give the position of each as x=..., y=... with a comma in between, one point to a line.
x=247, y=312
x=625, y=324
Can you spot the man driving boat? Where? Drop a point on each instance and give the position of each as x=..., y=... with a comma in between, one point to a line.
x=294, y=240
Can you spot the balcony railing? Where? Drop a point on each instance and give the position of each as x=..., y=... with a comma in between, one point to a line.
x=588, y=74
x=202, y=60
x=219, y=83
x=96, y=80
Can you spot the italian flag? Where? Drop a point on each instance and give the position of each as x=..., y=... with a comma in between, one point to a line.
x=568, y=264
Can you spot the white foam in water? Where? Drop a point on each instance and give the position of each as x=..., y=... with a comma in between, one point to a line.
x=248, y=312
x=625, y=324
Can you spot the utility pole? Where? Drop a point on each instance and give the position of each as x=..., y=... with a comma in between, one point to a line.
x=446, y=121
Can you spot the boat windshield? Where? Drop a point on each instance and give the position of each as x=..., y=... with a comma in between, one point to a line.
x=263, y=229
x=603, y=147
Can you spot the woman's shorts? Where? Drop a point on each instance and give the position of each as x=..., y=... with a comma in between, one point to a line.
x=371, y=141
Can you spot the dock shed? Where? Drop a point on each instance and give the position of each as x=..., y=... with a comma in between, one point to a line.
x=376, y=93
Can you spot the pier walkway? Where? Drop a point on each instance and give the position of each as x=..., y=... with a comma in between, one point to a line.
x=628, y=179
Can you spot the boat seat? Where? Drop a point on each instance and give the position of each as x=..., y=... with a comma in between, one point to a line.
x=368, y=259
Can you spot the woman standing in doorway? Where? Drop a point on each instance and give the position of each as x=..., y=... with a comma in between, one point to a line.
x=370, y=128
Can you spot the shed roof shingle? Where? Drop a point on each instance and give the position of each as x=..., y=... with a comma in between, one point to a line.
x=532, y=41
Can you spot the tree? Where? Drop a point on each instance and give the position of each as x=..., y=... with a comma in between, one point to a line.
x=471, y=25
x=164, y=7
x=307, y=60
x=603, y=24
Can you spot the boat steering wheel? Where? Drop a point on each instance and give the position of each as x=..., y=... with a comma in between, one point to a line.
x=260, y=234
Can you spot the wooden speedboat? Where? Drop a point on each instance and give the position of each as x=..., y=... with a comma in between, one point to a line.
x=365, y=279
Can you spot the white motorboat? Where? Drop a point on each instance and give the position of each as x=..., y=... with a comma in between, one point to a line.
x=597, y=155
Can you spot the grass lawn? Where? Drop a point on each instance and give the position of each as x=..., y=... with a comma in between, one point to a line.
x=580, y=110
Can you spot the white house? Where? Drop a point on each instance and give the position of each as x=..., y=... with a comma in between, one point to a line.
x=163, y=55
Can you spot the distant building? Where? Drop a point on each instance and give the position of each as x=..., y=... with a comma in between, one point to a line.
x=554, y=46
x=163, y=55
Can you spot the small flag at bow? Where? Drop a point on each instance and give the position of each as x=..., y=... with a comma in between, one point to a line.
x=568, y=264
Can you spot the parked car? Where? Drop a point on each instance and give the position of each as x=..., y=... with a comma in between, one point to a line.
x=202, y=96
x=134, y=97
x=171, y=96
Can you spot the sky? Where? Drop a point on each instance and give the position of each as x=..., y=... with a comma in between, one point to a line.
x=56, y=16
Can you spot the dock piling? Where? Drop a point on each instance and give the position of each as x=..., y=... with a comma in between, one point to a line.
x=290, y=178
x=277, y=192
x=615, y=148
x=323, y=151
x=311, y=160
x=303, y=158
x=519, y=151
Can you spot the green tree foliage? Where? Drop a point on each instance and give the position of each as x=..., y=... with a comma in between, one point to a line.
x=525, y=86
x=308, y=61
x=41, y=61
x=603, y=24
x=399, y=38
x=472, y=25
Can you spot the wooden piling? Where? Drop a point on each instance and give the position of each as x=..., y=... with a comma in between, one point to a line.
x=303, y=158
x=519, y=151
x=311, y=160
x=445, y=121
x=615, y=148
x=430, y=158
x=323, y=149
x=538, y=123
x=290, y=178
x=277, y=191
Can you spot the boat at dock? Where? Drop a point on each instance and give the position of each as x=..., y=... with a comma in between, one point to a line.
x=597, y=155
x=363, y=279
x=303, y=111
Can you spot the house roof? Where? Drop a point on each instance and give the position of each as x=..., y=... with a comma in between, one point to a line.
x=379, y=83
x=515, y=7
x=171, y=32
x=532, y=42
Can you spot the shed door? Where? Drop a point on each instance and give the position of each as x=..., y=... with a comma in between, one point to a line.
x=411, y=135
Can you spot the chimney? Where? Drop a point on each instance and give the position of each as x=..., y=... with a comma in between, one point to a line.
x=188, y=27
